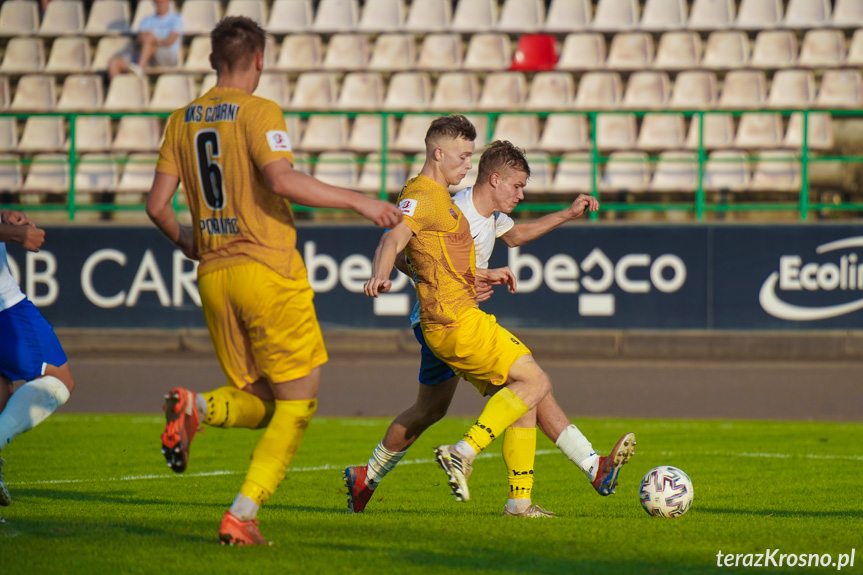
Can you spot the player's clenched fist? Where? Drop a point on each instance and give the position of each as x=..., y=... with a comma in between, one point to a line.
x=583, y=203
x=376, y=286
x=497, y=276
x=383, y=214
x=32, y=238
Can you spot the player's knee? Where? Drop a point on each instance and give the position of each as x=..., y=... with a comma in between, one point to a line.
x=64, y=374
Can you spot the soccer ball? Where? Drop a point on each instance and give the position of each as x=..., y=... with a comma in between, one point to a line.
x=666, y=492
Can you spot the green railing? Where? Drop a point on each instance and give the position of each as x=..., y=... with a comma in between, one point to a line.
x=699, y=205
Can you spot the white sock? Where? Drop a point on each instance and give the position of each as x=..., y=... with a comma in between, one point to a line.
x=201, y=406
x=381, y=463
x=578, y=449
x=31, y=405
x=466, y=449
x=244, y=509
x=517, y=505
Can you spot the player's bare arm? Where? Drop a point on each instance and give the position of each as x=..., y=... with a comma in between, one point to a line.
x=392, y=243
x=497, y=276
x=521, y=234
x=15, y=227
x=284, y=180
x=161, y=211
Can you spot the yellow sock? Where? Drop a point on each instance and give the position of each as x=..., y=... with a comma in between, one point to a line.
x=501, y=411
x=276, y=448
x=519, y=452
x=231, y=407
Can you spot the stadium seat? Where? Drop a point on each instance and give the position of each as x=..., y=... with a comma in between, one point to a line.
x=456, y=91
x=8, y=134
x=254, y=9
x=675, y=172
x=615, y=15
x=521, y=16
x=482, y=132
x=808, y=14
x=718, y=132
x=626, y=172
x=727, y=171
x=840, y=89
x=762, y=131
x=534, y=53
x=96, y=173
x=107, y=48
x=855, y=50
x=43, y=134
x=49, y=173
x=792, y=89
x=823, y=49
x=127, y=92
x=565, y=133
x=138, y=173
x=34, y=93
x=758, y=14
x=81, y=93
x=393, y=52
x=411, y=134
x=660, y=15
x=520, y=129
x=726, y=51
x=69, y=55
x=5, y=97
x=274, y=86
x=23, y=56
x=630, y=51
x=198, y=56
x=428, y=16
x=488, y=52
x=711, y=14
x=541, y=173
x=336, y=16
x=441, y=52
x=300, y=52
x=63, y=18
x=504, y=91
x=819, y=131
x=694, y=90
x=847, y=14
x=776, y=171
x=678, y=51
x=172, y=91
x=199, y=16
x=382, y=16
x=551, y=91
x=290, y=16
x=325, y=133
x=361, y=91
x=370, y=176
x=366, y=133
x=137, y=134
x=599, y=91
x=11, y=175
x=408, y=91
x=573, y=174
x=647, y=91
x=475, y=16
x=315, y=91
x=566, y=16
x=347, y=52
x=743, y=89
x=774, y=49
x=294, y=126
x=582, y=52
x=337, y=169
x=92, y=133
x=19, y=18
x=108, y=17
x=661, y=132
x=207, y=84
x=615, y=131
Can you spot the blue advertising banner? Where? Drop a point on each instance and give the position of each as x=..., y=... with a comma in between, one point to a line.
x=792, y=277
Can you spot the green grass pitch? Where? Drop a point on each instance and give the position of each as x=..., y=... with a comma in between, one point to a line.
x=93, y=495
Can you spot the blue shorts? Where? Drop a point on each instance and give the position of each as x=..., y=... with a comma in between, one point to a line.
x=27, y=343
x=432, y=370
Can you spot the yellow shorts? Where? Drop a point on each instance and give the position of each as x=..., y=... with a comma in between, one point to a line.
x=477, y=348
x=262, y=324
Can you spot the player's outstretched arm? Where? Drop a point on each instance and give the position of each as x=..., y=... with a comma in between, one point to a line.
x=497, y=276
x=161, y=212
x=521, y=234
x=392, y=243
x=284, y=180
x=16, y=227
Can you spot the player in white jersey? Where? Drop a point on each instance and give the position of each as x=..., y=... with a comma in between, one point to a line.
x=29, y=349
x=502, y=174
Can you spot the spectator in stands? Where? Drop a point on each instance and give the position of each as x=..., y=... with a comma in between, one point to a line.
x=159, y=38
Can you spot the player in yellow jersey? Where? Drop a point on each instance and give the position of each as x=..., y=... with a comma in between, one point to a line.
x=458, y=333
x=231, y=152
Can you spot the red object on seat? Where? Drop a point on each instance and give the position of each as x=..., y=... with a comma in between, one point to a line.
x=535, y=53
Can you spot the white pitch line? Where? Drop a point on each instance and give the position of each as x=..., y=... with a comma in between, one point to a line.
x=331, y=467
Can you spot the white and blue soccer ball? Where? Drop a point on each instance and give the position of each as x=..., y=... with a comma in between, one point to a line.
x=666, y=491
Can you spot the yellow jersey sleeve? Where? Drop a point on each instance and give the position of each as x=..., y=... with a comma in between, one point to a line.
x=267, y=134
x=167, y=163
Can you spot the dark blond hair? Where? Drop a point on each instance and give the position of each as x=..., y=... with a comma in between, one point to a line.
x=234, y=42
x=500, y=157
x=452, y=126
